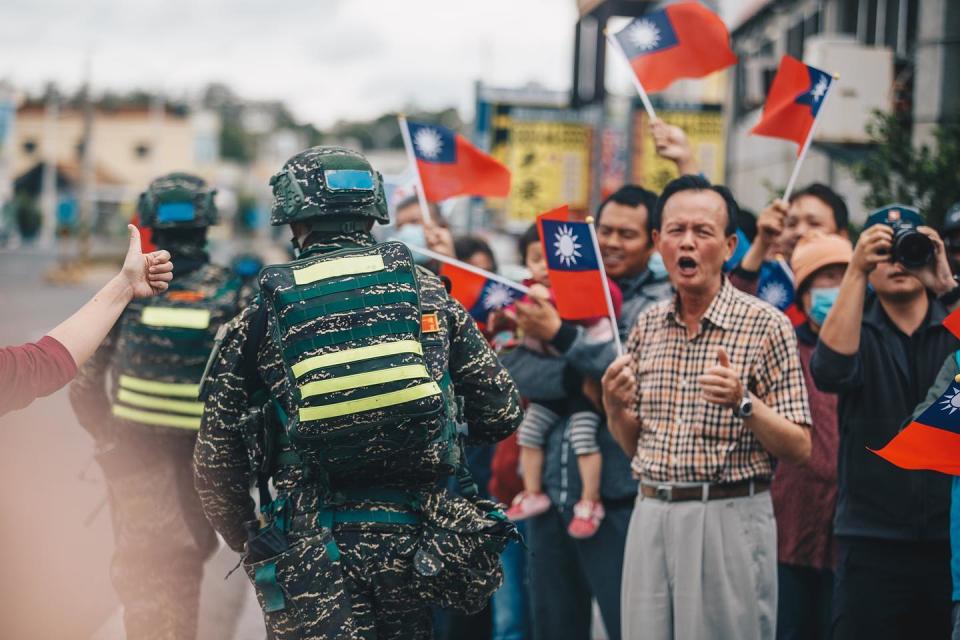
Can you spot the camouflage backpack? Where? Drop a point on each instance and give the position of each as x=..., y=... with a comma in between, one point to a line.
x=348, y=326
x=163, y=346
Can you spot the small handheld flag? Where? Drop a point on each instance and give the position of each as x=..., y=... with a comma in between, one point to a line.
x=448, y=165
x=776, y=283
x=683, y=40
x=793, y=107
x=577, y=277
x=478, y=290
x=932, y=441
x=796, y=97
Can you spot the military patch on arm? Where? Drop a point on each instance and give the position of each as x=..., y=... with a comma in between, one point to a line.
x=429, y=323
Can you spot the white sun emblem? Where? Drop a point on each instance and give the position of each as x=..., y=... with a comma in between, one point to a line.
x=428, y=142
x=566, y=246
x=497, y=296
x=644, y=35
x=819, y=90
x=775, y=293
x=951, y=403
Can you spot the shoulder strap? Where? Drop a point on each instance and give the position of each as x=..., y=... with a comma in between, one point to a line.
x=956, y=358
x=258, y=331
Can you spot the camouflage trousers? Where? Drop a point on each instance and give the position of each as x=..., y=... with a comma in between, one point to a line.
x=366, y=594
x=378, y=581
x=161, y=536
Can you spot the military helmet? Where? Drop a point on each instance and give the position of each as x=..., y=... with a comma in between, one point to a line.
x=327, y=182
x=177, y=201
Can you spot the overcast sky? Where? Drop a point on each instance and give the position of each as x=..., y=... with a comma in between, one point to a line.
x=327, y=59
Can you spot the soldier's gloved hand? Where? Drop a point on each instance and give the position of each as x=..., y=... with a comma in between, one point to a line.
x=147, y=275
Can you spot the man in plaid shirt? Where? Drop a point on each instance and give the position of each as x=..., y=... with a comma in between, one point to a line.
x=710, y=391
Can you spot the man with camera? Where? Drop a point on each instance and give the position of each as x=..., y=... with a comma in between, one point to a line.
x=880, y=351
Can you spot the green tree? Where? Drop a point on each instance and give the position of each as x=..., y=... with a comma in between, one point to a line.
x=897, y=171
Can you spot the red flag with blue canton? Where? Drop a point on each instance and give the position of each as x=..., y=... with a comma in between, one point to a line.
x=795, y=98
x=573, y=266
x=450, y=166
x=932, y=441
x=479, y=294
x=684, y=40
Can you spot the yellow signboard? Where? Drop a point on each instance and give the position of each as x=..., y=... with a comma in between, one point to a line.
x=549, y=163
x=704, y=129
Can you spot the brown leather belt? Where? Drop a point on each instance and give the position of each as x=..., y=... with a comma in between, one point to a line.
x=704, y=492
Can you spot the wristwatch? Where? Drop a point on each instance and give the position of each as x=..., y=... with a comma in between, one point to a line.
x=745, y=408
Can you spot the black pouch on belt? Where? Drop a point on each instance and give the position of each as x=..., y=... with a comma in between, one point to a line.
x=457, y=562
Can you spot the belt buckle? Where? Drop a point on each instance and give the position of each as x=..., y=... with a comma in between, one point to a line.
x=664, y=492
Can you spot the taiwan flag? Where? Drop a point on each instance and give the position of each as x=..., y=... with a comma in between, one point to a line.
x=480, y=294
x=932, y=441
x=573, y=265
x=684, y=40
x=775, y=284
x=795, y=98
x=450, y=166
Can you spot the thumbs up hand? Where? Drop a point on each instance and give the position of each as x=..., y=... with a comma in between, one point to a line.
x=147, y=275
x=720, y=383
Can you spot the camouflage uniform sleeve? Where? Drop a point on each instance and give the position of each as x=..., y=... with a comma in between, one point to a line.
x=88, y=391
x=221, y=468
x=491, y=403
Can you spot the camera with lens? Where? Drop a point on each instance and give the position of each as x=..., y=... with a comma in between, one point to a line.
x=910, y=247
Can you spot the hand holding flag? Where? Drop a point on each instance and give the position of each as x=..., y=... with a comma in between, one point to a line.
x=577, y=277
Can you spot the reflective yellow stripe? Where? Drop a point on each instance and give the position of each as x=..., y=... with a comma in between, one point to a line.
x=152, y=402
x=159, y=419
x=170, y=317
x=354, y=355
x=178, y=389
x=408, y=372
x=341, y=267
x=368, y=404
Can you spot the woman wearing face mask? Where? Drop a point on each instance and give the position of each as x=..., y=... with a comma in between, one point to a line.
x=804, y=496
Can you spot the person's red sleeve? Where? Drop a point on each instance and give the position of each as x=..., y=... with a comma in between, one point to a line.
x=33, y=370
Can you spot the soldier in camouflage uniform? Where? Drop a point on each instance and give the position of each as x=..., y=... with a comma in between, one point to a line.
x=344, y=384
x=145, y=418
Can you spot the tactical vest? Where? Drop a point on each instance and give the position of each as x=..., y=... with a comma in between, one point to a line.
x=348, y=327
x=162, y=348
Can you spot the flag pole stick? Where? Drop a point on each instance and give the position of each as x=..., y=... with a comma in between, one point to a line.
x=439, y=257
x=806, y=144
x=412, y=159
x=606, y=288
x=644, y=98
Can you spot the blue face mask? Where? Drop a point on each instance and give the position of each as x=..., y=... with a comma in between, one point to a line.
x=821, y=301
x=656, y=267
x=412, y=235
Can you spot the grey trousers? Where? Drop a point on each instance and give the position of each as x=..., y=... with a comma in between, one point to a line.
x=696, y=570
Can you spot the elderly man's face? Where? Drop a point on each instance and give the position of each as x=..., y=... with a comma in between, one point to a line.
x=622, y=236
x=692, y=240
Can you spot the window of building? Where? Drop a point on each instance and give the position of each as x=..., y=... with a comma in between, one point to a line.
x=29, y=146
x=849, y=12
x=142, y=150
x=795, y=40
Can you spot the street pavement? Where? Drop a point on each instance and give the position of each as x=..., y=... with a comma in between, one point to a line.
x=55, y=535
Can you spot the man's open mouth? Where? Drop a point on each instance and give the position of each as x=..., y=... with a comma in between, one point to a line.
x=687, y=266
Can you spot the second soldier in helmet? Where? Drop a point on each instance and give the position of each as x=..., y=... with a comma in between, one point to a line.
x=138, y=397
x=361, y=373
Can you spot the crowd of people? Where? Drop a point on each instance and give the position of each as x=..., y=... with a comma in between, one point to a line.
x=747, y=431
x=716, y=478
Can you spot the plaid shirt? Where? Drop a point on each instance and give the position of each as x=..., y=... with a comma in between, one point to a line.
x=683, y=438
